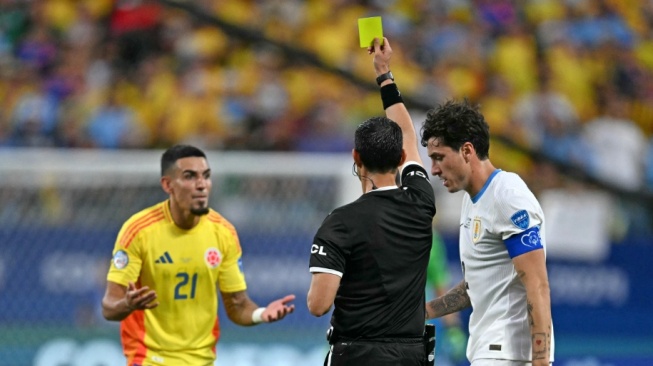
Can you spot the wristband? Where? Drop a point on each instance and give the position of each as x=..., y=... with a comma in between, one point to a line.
x=383, y=77
x=390, y=95
x=256, y=316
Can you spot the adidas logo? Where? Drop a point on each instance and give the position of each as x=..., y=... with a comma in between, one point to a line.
x=165, y=258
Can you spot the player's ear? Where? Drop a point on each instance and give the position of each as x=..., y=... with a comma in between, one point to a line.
x=468, y=150
x=403, y=157
x=357, y=157
x=166, y=184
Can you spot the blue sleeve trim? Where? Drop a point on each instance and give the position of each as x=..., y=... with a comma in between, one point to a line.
x=524, y=242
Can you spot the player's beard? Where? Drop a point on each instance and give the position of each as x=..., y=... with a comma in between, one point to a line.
x=199, y=211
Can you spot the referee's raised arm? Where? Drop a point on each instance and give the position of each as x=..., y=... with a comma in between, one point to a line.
x=380, y=242
x=392, y=100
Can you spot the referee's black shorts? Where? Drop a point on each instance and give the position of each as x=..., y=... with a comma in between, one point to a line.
x=361, y=353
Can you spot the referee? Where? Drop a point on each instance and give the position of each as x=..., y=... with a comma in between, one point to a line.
x=369, y=257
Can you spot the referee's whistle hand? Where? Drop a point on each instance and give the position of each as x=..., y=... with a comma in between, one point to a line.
x=278, y=309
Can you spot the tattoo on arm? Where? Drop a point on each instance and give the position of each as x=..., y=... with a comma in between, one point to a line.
x=521, y=274
x=529, y=308
x=233, y=301
x=236, y=305
x=454, y=300
x=532, y=273
x=540, y=347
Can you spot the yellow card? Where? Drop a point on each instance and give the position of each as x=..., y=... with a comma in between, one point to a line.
x=368, y=29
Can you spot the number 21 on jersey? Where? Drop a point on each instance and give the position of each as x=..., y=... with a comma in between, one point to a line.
x=182, y=290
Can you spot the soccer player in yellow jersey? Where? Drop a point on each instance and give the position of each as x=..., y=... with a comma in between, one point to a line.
x=169, y=262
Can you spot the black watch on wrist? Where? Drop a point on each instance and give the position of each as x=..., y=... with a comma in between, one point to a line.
x=383, y=77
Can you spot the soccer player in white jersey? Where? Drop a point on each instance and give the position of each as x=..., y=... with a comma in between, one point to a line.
x=502, y=245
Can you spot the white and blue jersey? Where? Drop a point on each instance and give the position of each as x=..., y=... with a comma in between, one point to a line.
x=503, y=221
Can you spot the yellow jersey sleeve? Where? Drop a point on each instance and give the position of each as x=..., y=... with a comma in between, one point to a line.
x=230, y=277
x=126, y=262
x=128, y=250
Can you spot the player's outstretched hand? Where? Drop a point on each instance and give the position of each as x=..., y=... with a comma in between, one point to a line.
x=278, y=309
x=140, y=298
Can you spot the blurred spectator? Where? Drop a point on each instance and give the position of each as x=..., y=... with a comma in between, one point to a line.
x=497, y=104
x=574, y=73
x=649, y=166
x=83, y=33
x=38, y=49
x=617, y=142
x=533, y=111
x=323, y=130
x=133, y=23
x=114, y=125
x=514, y=57
x=14, y=22
x=566, y=145
x=330, y=30
x=34, y=117
x=593, y=23
x=626, y=72
x=74, y=113
x=269, y=104
x=66, y=77
x=194, y=115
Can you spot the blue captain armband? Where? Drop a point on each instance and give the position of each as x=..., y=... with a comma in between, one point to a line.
x=524, y=242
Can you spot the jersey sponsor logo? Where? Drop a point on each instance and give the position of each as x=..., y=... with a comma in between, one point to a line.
x=120, y=259
x=520, y=219
x=476, y=231
x=317, y=249
x=213, y=257
x=164, y=258
x=532, y=239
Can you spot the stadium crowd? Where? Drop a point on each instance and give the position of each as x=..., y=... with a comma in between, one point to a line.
x=572, y=79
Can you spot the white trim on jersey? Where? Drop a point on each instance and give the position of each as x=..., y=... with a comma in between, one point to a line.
x=386, y=188
x=407, y=163
x=325, y=270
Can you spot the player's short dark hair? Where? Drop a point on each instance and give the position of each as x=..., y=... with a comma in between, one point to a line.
x=457, y=122
x=176, y=152
x=379, y=143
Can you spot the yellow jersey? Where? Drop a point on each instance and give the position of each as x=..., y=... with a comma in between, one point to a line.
x=185, y=268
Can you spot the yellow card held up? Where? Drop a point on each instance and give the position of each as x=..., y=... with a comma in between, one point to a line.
x=368, y=29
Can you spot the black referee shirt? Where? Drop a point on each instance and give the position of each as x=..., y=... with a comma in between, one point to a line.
x=379, y=245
